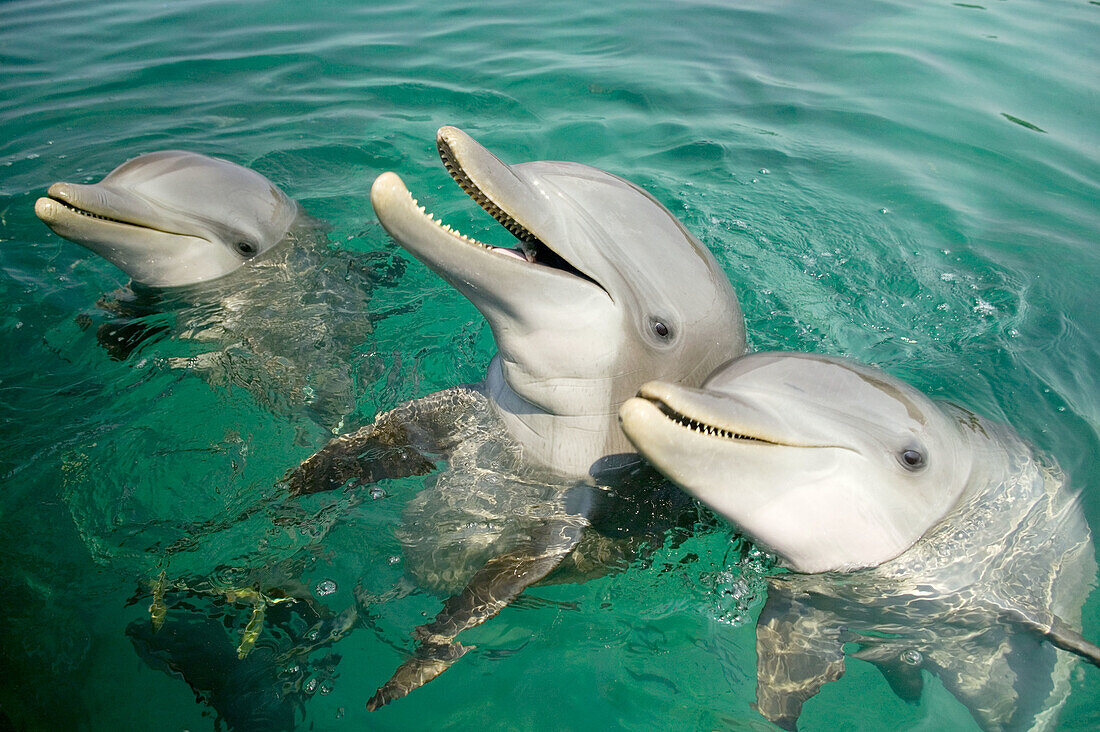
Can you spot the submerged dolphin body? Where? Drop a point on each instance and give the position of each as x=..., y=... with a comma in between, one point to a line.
x=605, y=291
x=926, y=536
x=172, y=218
x=233, y=270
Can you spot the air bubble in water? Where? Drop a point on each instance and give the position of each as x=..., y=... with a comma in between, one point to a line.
x=983, y=307
x=325, y=587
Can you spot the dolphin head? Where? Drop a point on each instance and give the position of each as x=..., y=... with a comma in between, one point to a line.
x=605, y=291
x=831, y=464
x=172, y=218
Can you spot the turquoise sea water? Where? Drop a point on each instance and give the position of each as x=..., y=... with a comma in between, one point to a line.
x=912, y=184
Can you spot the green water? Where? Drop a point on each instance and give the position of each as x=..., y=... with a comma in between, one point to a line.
x=912, y=184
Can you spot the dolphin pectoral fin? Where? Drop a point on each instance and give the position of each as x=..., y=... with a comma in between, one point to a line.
x=798, y=650
x=1004, y=678
x=377, y=451
x=137, y=320
x=903, y=676
x=496, y=584
x=404, y=441
x=1010, y=661
x=1060, y=635
x=121, y=338
x=429, y=661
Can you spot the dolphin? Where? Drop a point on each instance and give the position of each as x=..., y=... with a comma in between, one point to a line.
x=604, y=291
x=925, y=536
x=172, y=218
x=233, y=271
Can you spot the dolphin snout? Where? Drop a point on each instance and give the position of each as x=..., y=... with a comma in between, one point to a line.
x=46, y=209
x=60, y=191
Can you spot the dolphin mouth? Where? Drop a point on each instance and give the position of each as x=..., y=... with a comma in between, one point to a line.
x=529, y=243
x=88, y=214
x=531, y=248
x=701, y=427
x=706, y=413
x=64, y=200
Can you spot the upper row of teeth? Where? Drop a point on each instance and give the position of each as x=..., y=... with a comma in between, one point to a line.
x=485, y=202
x=89, y=214
x=706, y=429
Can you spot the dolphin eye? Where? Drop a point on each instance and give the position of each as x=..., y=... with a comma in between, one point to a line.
x=661, y=329
x=912, y=459
x=245, y=248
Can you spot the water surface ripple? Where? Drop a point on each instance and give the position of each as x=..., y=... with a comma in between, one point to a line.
x=912, y=184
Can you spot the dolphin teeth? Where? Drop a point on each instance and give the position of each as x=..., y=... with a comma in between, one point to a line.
x=446, y=227
x=467, y=184
x=89, y=214
x=703, y=428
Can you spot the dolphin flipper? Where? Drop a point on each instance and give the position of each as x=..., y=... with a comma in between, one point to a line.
x=496, y=584
x=798, y=650
x=901, y=672
x=401, y=442
x=1059, y=634
x=404, y=441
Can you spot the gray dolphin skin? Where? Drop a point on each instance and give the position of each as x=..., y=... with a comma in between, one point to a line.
x=172, y=218
x=604, y=291
x=607, y=288
x=230, y=277
x=921, y=536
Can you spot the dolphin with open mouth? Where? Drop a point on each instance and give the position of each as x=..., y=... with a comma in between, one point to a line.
x=604, y=290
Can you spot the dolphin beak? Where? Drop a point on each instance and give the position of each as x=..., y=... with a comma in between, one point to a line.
x=638, y=417
x=56, y=205
x=452, y=255
x=488, y=276
x=498, y=189
x=126, y=231
x=47, y=210
x=96, y=216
